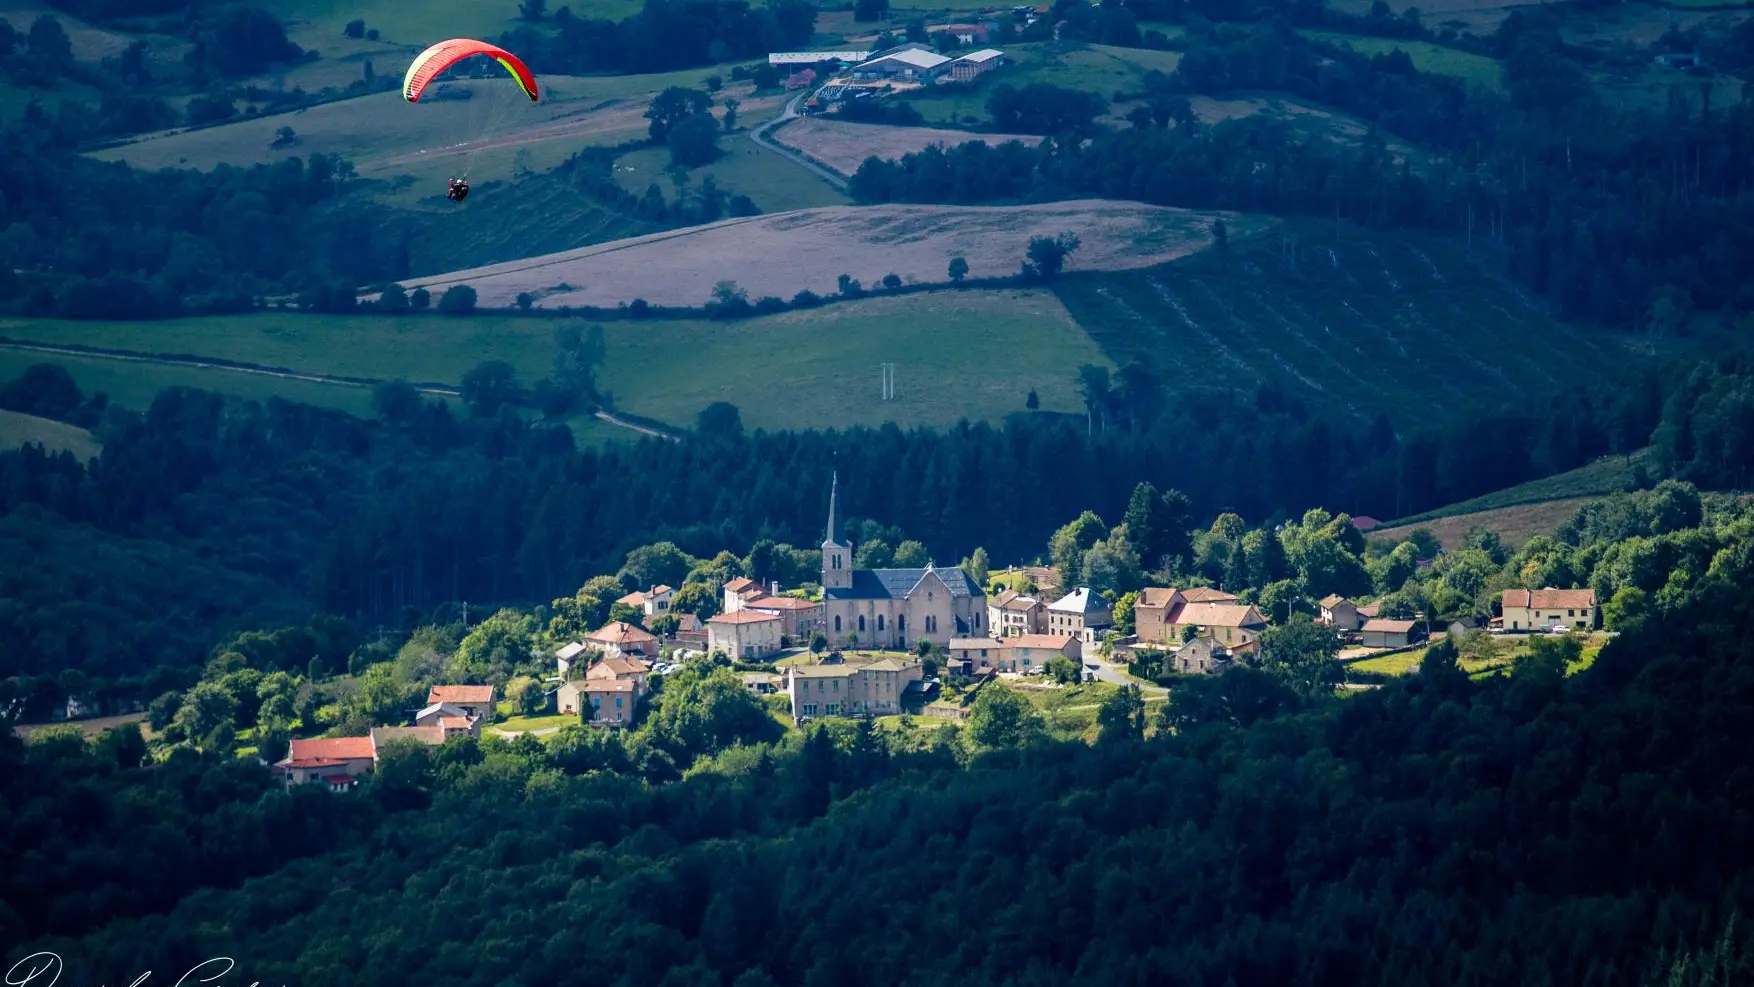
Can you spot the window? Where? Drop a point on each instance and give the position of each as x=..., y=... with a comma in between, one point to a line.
x=597, y=702
x=617, y=702
x=833, y=709
x=837, y=623
x=1571, y=613
x=837, y=685
x=879, y=621
x=809, y=709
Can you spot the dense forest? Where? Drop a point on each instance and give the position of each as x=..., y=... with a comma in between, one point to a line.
x=1530, y=826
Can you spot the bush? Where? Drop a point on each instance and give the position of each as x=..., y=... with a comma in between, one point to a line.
x=458, y=299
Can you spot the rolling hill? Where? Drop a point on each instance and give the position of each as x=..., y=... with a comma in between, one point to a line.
x=16, y=429
x=1355, y=322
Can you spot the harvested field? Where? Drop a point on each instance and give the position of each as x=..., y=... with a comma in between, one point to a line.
x=90, y=43
x=844, y=146
x=1478, y=16
x=16, y=429
x=1513, y=525
x=783, y=254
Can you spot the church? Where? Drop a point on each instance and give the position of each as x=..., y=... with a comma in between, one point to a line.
x=893, y=609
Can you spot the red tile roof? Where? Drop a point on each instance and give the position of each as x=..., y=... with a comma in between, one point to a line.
x=606, y=685
x=460, y=694
x=621, y=666
x=1055, y=642
x=739, y=584
x=331, y=749
x=1206, y=594
x=621, y=634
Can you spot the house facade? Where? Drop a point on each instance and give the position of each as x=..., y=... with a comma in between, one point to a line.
x=1202, y=656
x=1011, y=613
x=1537, y=610
x=334, y=762
x=894, y=608
x=449, y=720
x=747, y=634
x=473, y=700
x=566, y=657
x=1339, y=613
x=841, y=689
x=798, y=618
x=654, y=602
x=1158, y=610
x=1026, y=651
x=1082, y=614
x=975, y=655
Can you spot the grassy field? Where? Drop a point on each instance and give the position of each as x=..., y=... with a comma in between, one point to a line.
x=134, y=385
x=1417, y=327
x=1426, y=57
x=797, y=369
x=775, y=185
x=1502, y=652
x=17, y=429
x=1513, y=525
x=1100, y=69
x=523, y=724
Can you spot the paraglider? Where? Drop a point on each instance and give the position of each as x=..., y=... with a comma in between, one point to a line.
x=432, y=62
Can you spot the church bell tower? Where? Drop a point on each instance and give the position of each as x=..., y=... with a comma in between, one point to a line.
x=837, y=563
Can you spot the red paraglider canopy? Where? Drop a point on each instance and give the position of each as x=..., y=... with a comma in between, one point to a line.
x=429, y=63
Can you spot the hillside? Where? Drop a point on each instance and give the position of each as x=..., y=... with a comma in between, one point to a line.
x=844, y=146
x=804, y=369
x=1609, y=474
x=784, y=254
x=1361, y=323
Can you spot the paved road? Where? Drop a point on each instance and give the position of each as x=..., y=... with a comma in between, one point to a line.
x=1113, y=674
x=761, y=139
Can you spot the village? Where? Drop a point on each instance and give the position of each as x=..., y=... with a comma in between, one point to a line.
x=868, y=643
x=843, y=77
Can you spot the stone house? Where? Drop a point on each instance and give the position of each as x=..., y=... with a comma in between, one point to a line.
x=1157, y=611
x=846, y=689
x=569, y=656
x=1011, y=613
x=335, y=762
x=1082, y=614
x=1202, y=656
x=750, y=635
x=449, y=720
x=654, y=602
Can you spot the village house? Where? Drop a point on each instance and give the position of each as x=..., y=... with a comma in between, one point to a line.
x=1157, y=610
x=750, y=635
x=845, y=689
x=690, y=631
x=449, y=719
x=619, y=639
x=1462, y=625
x=1082, y=614
x=1010, y=613
x=974, y=655
x=654, y=602
x=1026, y=651
x=432, y=736
x=894, y=608
x=1537, y=610
x=1202, y=656
x=568, y=656
x=1381, y=632
x=799, y=618
x=620, y=670
x=473, y=700
x=607, y=702
x=336, y=762
x=1339, y=613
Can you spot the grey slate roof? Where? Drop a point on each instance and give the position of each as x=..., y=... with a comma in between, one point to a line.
x=894, y=584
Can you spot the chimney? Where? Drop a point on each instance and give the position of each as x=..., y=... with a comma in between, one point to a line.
x=773, y=587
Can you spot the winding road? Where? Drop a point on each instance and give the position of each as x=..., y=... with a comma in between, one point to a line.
x=790, y=112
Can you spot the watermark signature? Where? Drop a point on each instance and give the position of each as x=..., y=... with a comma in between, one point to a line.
x=44, y=968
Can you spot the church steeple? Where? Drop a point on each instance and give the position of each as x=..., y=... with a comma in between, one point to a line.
x=837, y=567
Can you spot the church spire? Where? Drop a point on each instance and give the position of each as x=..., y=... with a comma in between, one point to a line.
x=833, y=492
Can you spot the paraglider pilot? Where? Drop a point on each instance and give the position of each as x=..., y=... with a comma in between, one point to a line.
x=459, y=190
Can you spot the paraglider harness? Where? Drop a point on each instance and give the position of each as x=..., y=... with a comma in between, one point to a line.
x=459, y=190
